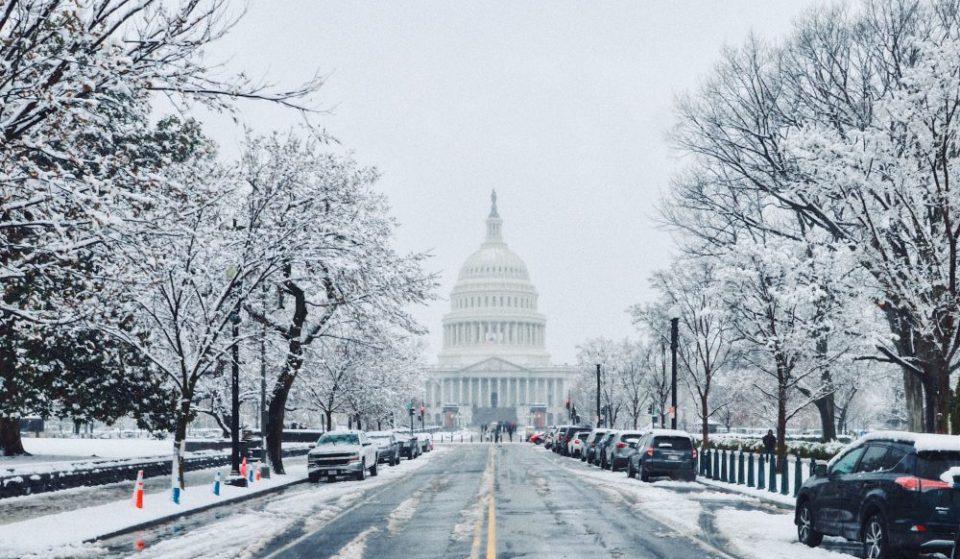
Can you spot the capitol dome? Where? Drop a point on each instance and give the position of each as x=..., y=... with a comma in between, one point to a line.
x=493, y=307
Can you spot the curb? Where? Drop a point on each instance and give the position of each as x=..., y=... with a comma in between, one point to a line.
x=163, y=520
x=778, y=504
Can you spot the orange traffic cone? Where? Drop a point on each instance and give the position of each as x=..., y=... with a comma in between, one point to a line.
x=138, y=491
x=243, y=467
x=258, y=473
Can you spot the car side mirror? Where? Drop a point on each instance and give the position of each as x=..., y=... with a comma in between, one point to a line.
x=820, y=470
x=368, y=443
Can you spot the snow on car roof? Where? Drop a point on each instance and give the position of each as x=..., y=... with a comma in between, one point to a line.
x=921, y=441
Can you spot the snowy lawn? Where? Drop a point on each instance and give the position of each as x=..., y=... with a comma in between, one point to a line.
x=71, y=454
x=62, y=535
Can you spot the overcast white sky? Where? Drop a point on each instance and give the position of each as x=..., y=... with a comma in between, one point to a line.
x=563, y=107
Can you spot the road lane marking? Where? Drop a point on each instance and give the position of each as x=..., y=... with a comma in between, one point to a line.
x=487, y=485
x=492, y=528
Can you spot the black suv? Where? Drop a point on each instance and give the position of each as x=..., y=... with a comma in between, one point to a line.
x=886, y=491
x=663, y=452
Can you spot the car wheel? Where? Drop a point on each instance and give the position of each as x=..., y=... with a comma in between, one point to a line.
x=875, y=542
x=805, y=532
x=362, y=474
x=373, y=470
x=642, y=474
x=629, y=470
x=313, y=477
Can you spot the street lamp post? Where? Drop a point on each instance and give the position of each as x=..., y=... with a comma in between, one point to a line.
x=264, y=467
x=674, y=333
x=235, y=477
x=598, y=395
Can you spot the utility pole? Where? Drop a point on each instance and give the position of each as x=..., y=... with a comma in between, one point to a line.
x=674, y=333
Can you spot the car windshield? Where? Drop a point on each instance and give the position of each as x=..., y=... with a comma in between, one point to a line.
x=339, y=438
x=583, y=435
x=380, y=437
x=630, y=437
x=674, y=443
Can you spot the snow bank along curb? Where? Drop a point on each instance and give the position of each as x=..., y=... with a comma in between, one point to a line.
x=785, y=502
x=250, y=494
x=107, y=471
x=120, y=517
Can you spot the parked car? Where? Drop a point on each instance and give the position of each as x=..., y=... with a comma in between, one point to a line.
x=550, y=438
x=892, y=491
x=618, y=450
x=600, y=456
x=537, y=438
x=664, y=452
x=340, y=453
x=575, y=446
x=426, y=443
x=560, y=441
x=388, y=446
x=409, y=445
x=590, y=445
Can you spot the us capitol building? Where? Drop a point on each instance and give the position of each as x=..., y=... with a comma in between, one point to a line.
x=494, y=365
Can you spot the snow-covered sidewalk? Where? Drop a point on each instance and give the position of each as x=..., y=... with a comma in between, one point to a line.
x=52, y=532
x=64, y=534
x=744, y=524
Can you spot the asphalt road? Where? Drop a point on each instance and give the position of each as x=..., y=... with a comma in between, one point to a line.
x=479, y=501
x=503, y=501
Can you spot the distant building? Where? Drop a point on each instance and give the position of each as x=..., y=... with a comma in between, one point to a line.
x=494, y=365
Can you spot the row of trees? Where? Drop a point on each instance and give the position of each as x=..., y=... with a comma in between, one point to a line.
x=134, y=261
x=817, y=224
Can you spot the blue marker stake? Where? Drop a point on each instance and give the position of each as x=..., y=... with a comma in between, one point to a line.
x=176, y=495
x=216, y=485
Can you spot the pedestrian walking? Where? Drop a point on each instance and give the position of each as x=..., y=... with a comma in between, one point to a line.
x=769, y=442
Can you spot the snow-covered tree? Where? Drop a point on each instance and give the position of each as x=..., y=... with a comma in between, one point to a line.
x=692, y=288
x=339, y=268
x=78, y=79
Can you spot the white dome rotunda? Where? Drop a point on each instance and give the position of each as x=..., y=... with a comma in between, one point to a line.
x=493, y=307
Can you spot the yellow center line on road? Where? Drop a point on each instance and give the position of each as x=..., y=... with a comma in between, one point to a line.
x=492, y=519
x=486, y=501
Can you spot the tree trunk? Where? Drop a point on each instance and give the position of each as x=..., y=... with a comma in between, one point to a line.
x=180, y=435
x=276, y=412
x=329, y=415
x=705, y=414
x=781, y=421
x=827, y=408
x=10, y=440
x=913, y=396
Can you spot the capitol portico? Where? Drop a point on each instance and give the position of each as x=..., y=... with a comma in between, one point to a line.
x=494, y=365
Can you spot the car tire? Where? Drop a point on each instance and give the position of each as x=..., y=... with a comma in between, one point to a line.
x=875, y=542
x=362, y=474
x=642, y=474
x=373, y=470
x=313, y=477
x=629, y=470
x=805, y=532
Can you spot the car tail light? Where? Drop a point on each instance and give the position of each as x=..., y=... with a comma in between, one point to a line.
x=694, y=454
x=918, y=528
x=650, y=451
x=621, y=445
x=913, y=483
